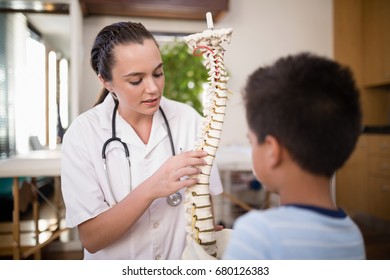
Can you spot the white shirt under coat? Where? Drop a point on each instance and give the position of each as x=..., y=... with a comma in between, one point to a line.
x=160, y=231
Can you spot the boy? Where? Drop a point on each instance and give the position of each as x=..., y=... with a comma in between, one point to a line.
x=304, y=119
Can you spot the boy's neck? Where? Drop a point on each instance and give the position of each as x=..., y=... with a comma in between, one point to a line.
x=307, y=189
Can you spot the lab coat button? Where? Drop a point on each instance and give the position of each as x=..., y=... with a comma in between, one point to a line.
x=156, y=224
x=157, y=257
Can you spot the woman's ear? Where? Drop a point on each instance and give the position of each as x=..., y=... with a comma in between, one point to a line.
x=105, y=84
x=273, y=151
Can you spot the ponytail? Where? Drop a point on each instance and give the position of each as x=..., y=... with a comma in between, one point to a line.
x=103, y=94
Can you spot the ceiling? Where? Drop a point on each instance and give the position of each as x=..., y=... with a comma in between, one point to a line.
x=172, y=9
x=51, y=17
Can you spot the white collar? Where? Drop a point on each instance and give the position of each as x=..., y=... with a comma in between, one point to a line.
x=127, y=133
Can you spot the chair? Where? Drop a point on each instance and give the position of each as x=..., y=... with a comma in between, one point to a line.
x=35, y=144
x=31, y=192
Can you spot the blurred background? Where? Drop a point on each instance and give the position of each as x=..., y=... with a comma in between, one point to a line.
x=46, y=81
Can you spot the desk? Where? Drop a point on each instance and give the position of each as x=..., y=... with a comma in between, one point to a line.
x=33, y=164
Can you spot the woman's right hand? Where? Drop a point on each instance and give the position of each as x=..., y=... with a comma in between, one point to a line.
x=174, y=174
x=104, y=229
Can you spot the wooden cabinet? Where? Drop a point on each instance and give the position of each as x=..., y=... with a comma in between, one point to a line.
x=376, y=42
x=352, y=180
x=379, y=145
x=379, y=176
x=362, y=42
x=379, y=197
x=363, y=184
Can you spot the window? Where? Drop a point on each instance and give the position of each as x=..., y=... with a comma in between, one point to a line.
x=34, y=97
x=13, y=35
x=30, y=92
x=33, y=102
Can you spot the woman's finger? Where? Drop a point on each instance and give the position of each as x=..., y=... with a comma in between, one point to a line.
x=189, y=182
x=186, y=171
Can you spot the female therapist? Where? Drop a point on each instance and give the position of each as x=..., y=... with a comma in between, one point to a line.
x=125, y=161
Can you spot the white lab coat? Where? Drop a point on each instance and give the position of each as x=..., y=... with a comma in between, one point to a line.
x=160, y=231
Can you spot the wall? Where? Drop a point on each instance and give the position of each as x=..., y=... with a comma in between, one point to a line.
x=263, y=30
x=76, y=63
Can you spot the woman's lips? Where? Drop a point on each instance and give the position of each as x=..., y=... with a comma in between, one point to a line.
x=151, y=102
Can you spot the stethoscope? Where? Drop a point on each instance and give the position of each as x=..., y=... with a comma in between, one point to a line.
x=173, y=199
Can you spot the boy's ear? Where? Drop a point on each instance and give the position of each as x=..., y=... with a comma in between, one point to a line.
x=105, y=84
x=273, y=151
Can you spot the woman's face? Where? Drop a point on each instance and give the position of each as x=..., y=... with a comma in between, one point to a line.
x=137, y=78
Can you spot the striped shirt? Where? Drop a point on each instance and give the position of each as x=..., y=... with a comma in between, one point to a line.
x=295, y=232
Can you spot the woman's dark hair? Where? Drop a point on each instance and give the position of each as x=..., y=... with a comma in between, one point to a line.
x=310, y=104
x=102, y=52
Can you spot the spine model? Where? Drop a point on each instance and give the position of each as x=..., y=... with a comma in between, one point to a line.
x=199, y=215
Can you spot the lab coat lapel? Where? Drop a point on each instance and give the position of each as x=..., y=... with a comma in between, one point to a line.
x=104, y=112
x=160, y=129
x=158, y=133
x=127, y=134
x=123, y=130
x=126, y=131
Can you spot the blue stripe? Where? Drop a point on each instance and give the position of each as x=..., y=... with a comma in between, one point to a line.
x=339, y=213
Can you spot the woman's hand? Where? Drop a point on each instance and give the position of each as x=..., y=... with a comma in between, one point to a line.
x=175, y=173
x=101, y=231
x=218, y=227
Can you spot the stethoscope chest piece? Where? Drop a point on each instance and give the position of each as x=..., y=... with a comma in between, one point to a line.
x=174, y=199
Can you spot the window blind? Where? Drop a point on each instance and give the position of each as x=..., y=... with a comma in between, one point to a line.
x=12, y=25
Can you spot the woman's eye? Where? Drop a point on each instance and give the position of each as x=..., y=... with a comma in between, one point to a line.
x=158, y=74
x=135, y=83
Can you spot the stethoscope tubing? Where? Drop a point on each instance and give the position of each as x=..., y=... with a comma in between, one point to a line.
x=173, y=199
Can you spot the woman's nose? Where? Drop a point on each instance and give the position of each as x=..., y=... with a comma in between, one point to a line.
x=151, y=85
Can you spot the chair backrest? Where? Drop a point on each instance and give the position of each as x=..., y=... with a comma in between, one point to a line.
x=35, y=143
